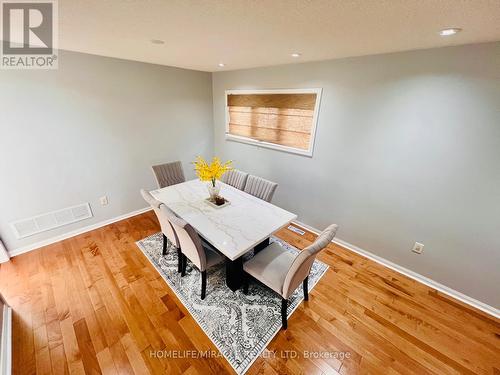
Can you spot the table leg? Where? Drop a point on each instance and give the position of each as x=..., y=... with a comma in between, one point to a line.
x=261, y=246
x=234, y=273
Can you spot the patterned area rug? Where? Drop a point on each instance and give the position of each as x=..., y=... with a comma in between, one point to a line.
x=239, y=325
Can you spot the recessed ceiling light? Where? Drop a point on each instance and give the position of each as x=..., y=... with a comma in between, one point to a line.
x=295, y=54
x=221, y=65
x=157, y=41
x=449, y=31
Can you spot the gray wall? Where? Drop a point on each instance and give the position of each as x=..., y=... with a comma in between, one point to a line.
x=93, y=128
x=407, y=149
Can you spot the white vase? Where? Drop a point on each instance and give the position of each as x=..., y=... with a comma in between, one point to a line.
x=213, y=191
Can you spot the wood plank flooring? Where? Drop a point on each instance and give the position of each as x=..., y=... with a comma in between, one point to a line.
x=93, y=304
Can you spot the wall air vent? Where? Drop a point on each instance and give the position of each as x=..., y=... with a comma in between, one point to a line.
x=55, y=219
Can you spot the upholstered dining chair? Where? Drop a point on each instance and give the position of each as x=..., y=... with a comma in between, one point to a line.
x=260, y=187
x=282, y=271
x=169, y=174
x=235, y=178
x=198, y=252
x=166, y=227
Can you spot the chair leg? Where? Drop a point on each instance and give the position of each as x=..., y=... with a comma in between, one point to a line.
x=179, y=260
x=165, y=241
x=184, y=264
x=245, y=283
x=203, y=284
x=305, y=287
x=284, y=304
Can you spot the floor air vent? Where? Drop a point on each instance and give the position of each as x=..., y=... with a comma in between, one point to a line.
x=296, y=230
x=41, y=223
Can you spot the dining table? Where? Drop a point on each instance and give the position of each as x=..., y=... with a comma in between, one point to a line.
x=242, y=225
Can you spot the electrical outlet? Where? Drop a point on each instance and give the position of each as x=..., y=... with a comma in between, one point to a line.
x=104, y=201
x=418, y=248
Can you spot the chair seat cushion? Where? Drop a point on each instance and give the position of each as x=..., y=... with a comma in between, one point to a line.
x=270, y=266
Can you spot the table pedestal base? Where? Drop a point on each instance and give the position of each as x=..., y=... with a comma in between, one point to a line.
x=234, y=273
x=261, y=246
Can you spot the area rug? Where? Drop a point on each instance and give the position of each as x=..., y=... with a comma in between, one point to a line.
x=239, y=325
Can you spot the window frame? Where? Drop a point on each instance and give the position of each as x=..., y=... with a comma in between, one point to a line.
x=270, y=145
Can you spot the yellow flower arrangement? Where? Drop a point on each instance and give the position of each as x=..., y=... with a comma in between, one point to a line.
x=213, y=171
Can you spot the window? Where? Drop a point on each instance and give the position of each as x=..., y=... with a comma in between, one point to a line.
x=280, y=119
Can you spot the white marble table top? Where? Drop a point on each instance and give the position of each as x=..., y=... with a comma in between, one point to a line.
x=233, y=229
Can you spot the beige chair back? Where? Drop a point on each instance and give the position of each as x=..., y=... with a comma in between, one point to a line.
x=165, y=225
x=260, y=187
x=235, y=178
x=189, y=240
x=169, y=174
x=302, y=264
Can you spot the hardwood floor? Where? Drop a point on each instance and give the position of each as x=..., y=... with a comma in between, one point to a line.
x=94, y=304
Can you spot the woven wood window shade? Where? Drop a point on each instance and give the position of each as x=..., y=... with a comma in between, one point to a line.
x=281, y=119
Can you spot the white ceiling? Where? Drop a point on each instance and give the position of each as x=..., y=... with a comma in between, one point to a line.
x=199, y=34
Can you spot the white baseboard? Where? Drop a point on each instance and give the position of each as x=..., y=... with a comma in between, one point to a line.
x=412, y=275
x=6, y=341
x=49, y=241
x=4, y=255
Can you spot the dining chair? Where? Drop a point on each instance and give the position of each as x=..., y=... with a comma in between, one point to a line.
x=235, y=178
x=166, y=228
x=260, y=187
x=169, y=174
x=282, y=271
x=193, y=248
